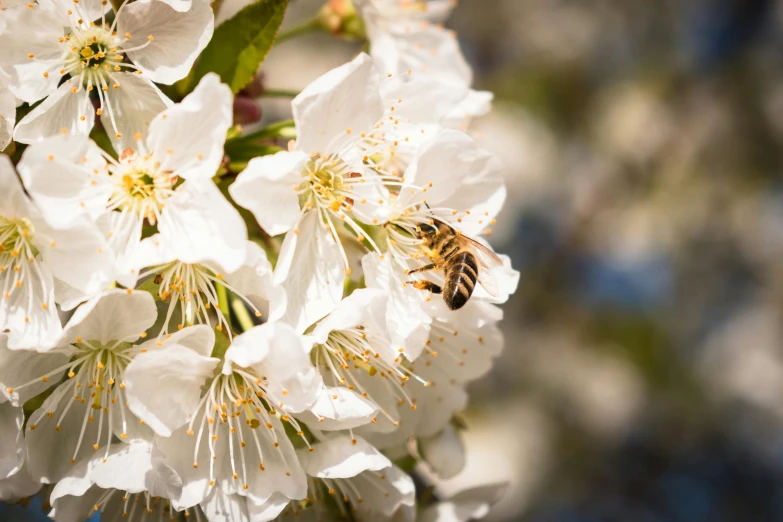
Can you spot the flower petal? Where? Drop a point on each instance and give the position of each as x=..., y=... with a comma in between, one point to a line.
x=164, y=387
x=178, y=37
x=116, y=315
x=62, y=112
x=131, y=107
x=7, y=112
x=255, y=280
x=79, y=256
x=58, y=175
x=444, y=452
x=342, y=457
x=31, y=31
x=267, y=188
x=188, y=138
x=408, y=322
x=339, y=408
x=199, y=224
x=310, y=268
x=18, y=486
x=338, y=106
x=12, y=449
x=278, y=352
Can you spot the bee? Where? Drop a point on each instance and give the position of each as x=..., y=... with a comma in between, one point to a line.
x=464, y=262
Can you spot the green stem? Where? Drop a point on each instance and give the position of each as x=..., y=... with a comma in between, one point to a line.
x=310, y=26
x=223, y=300
x=242, y=315
x=279, y=93
x=270, y=131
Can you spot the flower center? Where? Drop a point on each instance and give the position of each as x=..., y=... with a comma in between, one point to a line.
x=194, y=287
x=15, y=237
x=91, y=55
x=350, y=357
x=326, y=184
x=140, y=187
x=237, y=410
x=94, y=374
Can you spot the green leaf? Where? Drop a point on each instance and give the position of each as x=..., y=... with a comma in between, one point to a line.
x=240, y=44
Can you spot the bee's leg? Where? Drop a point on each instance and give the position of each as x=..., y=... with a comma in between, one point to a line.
x=426, y=285
x=424, y=268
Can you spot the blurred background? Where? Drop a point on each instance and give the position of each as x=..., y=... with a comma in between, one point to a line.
x=642, y=378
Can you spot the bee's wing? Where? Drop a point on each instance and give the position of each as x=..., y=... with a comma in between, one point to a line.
x=488, y=282
x=486, y=257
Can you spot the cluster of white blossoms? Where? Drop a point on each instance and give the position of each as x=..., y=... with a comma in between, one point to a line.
x=158, y=360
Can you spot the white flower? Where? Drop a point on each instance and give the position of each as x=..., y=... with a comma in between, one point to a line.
x=87, y=409
x=362, y=482
x=363, y=370
x=71, y=176
x=31, y=252
x=407, y=36
x=468, y=504
x=149, y=41
x=7, y=111
x=320, y=189
x=124, y=484
x=223, y=427
x=191, y=289
x=461, y=347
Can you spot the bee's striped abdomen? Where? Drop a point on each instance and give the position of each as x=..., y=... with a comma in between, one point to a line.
x=461, y=276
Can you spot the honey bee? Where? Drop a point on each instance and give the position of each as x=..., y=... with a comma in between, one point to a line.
x=464, y=262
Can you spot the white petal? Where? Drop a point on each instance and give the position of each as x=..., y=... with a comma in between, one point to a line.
x=131, y=107
x=366, y=307
x=267, y=510
x=50, y=451
x=31, y=31
x=255, y=280
x=18, y=486
x=178, y=37
x=469, y=504
x=407, y=321
x=220, y=506
x=188, y=138
x=115, y=315
x=444, y=452
x=12, y=449
x=339, y=408
x=163, y=387
x=267, y=188
x=59, y=175
x=62, y=112
x=7, y=113
x=79, y=256
x=428, y=51
x=30, y=324
x=338, y=106
x=342, y=457
x=199, y=338
x=67, y=296
x=312, y=269
x=178, y=453
x=19, y=367
x=129, y=467
x=443, y=164
x=200, y=225
x=279, y=353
